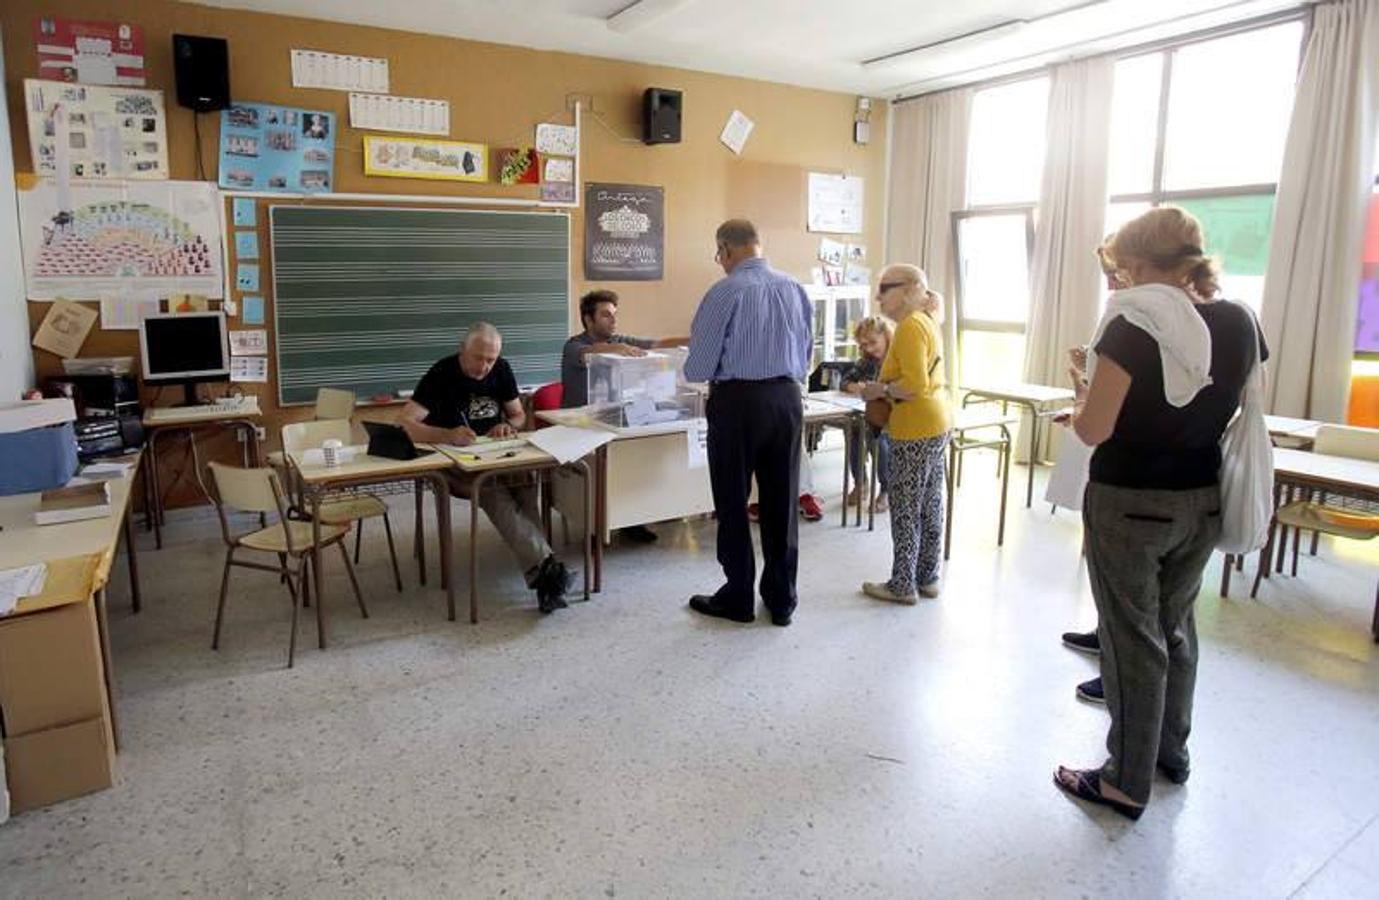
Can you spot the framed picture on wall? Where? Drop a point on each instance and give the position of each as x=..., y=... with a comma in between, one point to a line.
x=400, y=157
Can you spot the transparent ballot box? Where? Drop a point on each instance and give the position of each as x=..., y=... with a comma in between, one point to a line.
x=627, y=391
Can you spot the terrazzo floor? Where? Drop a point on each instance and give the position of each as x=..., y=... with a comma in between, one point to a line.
x=629, y=748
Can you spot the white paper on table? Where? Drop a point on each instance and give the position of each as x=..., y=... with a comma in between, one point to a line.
x=25, y=581
x=736, y=131
x=697, y=446
x=568, y=444
x=249, y=369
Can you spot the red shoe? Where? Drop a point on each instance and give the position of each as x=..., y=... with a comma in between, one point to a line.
x=753, y=512
x=810, y=508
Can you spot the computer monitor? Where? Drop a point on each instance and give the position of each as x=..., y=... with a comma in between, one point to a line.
x=186, y=349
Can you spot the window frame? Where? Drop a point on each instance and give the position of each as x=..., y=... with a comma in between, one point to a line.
x=991, y=211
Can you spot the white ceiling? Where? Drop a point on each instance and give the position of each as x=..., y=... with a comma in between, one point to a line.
x=815, y=43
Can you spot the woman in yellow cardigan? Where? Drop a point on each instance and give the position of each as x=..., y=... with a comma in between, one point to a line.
x=912, y=380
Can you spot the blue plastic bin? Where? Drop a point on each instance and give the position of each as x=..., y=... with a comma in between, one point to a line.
x=38, y=459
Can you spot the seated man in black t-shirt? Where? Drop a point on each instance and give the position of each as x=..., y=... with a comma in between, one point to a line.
x=475, y=393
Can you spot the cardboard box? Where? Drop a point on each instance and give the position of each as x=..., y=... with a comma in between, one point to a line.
x=60, y=763
x=51, y=672
x=54, y=710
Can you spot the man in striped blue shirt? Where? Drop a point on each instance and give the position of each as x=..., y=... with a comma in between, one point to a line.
x=751, y=339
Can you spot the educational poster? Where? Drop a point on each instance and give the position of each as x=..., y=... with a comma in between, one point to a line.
x=89, y=52
x=126, y=313
x=624, y=232
x=276, y=148
x=425, y=158
x=64, y=328
x=91, y=241
x=835, y=203
x=559, y=140
x=100, y=132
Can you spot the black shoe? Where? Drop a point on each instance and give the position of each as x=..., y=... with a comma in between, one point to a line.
x=1091, y=691
x=1174, y=774
x=551, y=584
x=1083, y=642
x=638, y=534
x=707, y=605
x=781, y=619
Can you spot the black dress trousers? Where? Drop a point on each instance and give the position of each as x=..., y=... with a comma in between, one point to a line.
x=754, y=429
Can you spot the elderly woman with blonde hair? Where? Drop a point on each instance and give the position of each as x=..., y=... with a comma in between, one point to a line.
x=912, y=381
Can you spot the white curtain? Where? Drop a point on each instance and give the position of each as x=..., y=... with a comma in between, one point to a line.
x=1312, y=283
x=928, y=183
x=1065, y=277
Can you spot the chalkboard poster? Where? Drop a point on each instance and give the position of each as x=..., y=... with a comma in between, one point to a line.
x=624, y=232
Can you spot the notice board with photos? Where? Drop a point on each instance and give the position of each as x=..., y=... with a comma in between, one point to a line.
x=367, y=298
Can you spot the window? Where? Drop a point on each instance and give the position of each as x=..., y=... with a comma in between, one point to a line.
x=1202, y=126
x=995, y=235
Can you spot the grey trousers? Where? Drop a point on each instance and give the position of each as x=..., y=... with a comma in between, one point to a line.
x=1146, y=550
x=511, y=505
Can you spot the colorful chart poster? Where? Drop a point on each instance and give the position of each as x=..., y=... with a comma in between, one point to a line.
x=94, y=241
x=624, y=232
x=100, y=132
x=276, y=148
x=90, y=52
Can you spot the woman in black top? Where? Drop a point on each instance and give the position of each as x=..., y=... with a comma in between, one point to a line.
x=1152, y=509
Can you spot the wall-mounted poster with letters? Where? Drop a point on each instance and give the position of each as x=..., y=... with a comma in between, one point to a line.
x=624, y=232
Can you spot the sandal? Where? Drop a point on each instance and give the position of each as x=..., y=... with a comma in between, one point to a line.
x=1088, y=787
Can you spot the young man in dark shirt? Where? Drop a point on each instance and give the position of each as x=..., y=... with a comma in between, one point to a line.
x=598, y=312
x=472, y=394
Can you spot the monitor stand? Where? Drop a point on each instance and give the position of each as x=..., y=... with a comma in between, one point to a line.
x=189, y=397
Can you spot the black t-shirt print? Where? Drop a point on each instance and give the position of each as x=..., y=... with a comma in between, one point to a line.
x=453, y=399
x=1156, y=445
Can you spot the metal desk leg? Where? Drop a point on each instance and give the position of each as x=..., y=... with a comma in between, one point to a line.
x=316, y=568
x=1033, y=453
x=590, y=537
x=446, y=541
x=847, y=471
x=135, y=599
x=600, y=510
x=1005, y=485
x=156, y=483
x=418, y=535
x=475, y=491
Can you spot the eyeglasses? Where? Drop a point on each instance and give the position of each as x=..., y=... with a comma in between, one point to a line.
x=887, y=285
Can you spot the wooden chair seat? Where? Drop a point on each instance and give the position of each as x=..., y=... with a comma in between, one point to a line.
x=274, y=538
x=343, y=510
x=1311, y=516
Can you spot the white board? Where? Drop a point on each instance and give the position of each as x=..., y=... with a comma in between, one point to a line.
x=835, y=203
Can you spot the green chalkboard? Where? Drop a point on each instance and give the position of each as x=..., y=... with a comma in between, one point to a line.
x=367, y=298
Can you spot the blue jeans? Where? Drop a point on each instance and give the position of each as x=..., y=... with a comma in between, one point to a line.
x=883, y=460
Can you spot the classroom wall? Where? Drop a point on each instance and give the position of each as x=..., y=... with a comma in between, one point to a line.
x=16, y=363
x=497, y=95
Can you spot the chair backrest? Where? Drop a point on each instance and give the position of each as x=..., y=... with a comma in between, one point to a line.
x=299, y=436
x=1348, y=441
x=334, y=403
x=548, y=396
x=246, y=490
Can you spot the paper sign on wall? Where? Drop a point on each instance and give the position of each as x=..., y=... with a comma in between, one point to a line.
x=276, y=148
x=65, y=328
x=253, y=311
x=736, y=131
x=835, y=203
x=89, y=52
x=104, y=132
x=249, y=369
x=246, y=245
x=557, y=140
x=412, y=115
x=249, y=343
x=339, y=72
x=125, y=313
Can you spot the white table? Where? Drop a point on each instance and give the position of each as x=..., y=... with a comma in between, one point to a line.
x=1040, y=400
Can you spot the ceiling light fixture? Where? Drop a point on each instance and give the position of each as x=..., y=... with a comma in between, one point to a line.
x=639, y=12
x=989, y=33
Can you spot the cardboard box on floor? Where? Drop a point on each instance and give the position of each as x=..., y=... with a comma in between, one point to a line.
x=54, y=710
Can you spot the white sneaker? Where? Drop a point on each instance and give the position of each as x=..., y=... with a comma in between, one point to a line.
x=880, y=591
x=929, y=590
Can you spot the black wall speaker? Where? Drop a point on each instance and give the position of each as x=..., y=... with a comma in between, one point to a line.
x=661, y=116
x=202, y=68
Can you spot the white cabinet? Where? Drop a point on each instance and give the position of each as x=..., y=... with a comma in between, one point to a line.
x=837, y=310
